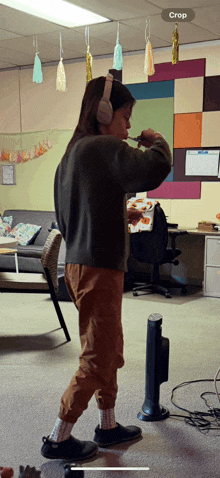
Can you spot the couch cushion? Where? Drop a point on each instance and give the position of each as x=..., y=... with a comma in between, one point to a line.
x=25, y=233
x=30, y=251
x=43, y=218
x=5, y=225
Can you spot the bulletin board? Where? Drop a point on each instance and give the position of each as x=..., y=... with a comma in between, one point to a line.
x=184, y=105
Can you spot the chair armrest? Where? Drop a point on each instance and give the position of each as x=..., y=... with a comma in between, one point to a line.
x=174, y=234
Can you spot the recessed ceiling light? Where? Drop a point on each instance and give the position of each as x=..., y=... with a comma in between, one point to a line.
x=56, y=11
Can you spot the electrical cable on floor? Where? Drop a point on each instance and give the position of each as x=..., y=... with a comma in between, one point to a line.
x=203, y=421
x=215, y=380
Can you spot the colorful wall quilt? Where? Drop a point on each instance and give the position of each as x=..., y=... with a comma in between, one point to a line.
x=184, y=105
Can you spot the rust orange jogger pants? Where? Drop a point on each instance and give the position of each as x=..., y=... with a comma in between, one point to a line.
x=97, y=294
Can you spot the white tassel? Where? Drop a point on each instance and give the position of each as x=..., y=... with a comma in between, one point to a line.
x=149, y=61
x=61, y=77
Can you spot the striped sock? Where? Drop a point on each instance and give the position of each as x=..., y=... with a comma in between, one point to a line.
x=107, y=419
x=61, y=431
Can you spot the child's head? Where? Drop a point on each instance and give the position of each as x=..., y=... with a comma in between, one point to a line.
x=88, y=123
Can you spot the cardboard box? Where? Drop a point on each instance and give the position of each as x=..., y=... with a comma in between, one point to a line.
x=206, y=226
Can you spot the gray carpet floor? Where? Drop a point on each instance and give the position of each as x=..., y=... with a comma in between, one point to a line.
x=37, y=365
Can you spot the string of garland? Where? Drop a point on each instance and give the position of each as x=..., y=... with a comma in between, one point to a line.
x=24, y=155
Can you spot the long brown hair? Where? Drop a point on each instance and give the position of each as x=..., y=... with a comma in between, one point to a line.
x=88, y=124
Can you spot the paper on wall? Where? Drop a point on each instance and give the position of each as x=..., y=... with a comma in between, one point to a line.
x=202, y=163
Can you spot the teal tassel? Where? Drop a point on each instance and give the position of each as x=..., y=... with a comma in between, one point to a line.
x=118, y=59
x=37, y=73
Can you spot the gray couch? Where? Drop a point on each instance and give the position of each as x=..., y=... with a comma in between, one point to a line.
x=29, y=257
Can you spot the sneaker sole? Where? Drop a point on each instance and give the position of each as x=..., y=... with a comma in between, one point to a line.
x=69, y=457
x=106, y=445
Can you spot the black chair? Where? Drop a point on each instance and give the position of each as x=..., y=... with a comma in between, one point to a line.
x=40, y=282
x=49, y=261
x=151, y=247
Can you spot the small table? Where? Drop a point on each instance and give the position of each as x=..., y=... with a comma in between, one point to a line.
x=7, y=246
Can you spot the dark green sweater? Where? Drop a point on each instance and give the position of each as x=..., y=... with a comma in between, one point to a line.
x=89, y=190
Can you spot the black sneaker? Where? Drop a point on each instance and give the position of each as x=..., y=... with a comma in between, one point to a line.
x=115, y=435
x=72, y=448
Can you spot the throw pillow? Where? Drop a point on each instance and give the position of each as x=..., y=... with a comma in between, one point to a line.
x=24, y=233
x=5, y=225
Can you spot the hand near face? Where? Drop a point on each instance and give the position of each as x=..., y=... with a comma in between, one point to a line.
x=147, y=138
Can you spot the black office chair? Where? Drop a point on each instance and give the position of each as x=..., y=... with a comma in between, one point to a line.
x=151, y=247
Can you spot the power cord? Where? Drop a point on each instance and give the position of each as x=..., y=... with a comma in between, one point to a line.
x=215, y=380
x=203, y=421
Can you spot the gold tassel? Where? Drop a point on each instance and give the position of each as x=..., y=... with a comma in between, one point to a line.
x=61, y=77
x=175, y=51
x=88, y=66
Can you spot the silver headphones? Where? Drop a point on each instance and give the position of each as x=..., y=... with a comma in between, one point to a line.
x=105, y=111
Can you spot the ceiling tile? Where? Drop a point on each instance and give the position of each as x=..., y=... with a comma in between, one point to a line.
x=23, y=23
x=74, y=42
x=118, y=9
x=208, y=18
x=5, y=35
x=15, y=58
x=187, y=3
x=17, y=30
x=4, y=64
x=188, y=32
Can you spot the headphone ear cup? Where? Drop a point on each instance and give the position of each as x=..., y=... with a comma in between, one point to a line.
x=105, y=112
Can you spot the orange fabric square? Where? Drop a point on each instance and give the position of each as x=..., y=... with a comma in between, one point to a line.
x=188, y=130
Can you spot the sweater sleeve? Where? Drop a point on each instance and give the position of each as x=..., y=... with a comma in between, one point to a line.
x=138, y=170
x=131, y=168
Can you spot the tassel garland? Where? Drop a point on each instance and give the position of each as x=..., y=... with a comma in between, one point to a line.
x=175, y=51
x=22, y=156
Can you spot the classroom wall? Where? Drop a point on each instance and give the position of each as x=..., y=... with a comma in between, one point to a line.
x=49, y=113
x=38, y=111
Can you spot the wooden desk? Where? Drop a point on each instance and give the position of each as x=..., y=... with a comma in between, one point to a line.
x=192, y=230
x=211, y=263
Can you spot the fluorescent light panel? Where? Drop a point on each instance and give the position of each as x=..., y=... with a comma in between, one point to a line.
x=56, y=11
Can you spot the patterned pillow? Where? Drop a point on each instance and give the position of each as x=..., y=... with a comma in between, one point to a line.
x=24, y=233
x=5, y=225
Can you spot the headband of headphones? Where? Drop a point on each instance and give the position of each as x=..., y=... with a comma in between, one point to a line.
x=105, y=111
